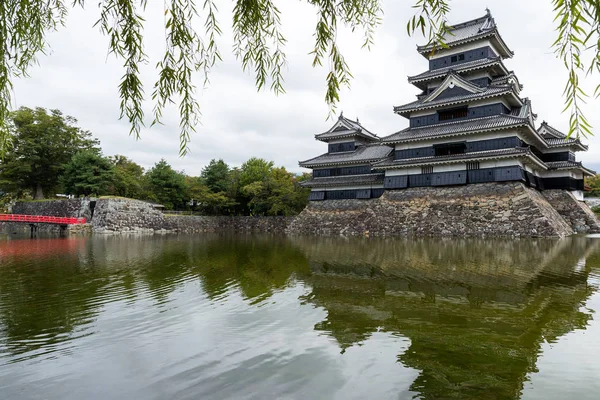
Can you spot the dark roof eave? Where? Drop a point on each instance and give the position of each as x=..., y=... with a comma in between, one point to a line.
x=398, y=109
x=314, y=182
x=459, y=133
x=585, y=170
x=427, y=49
x=523, y=154
x=432, y=161
x=496, y=62
x=303, y=164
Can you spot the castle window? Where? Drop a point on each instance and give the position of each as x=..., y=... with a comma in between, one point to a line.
x=453, y=114
x=461, y=57
x=473, y=165
x=453, y=59
x=427, y=170
x=449, y=149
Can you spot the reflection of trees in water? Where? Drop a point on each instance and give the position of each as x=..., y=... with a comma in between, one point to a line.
x=51, y=298
x=476, y=312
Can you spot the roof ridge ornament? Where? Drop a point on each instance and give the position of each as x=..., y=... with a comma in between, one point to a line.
x=489, y=22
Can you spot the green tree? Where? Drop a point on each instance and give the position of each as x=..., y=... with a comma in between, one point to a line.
x=594, y=184
x=278, y=194
x=88, y=173
x=216, y=176
x=42, y=142
x=128, y=178
x=254, y=170
x=168, y=186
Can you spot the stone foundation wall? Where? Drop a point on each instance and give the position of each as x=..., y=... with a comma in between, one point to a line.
x=13, y=227
x=132, y=216
x=183, y=224
x=126, y=215
x=489, y=209
x=77, y=208
x=577, y=213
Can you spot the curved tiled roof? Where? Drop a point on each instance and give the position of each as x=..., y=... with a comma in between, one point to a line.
x=464, y=67
x=470, y=31
x=490, y=91
x=366, y=179
x=555, y=138
x=363, y=154
x=552, y=133
x=346, y=128
x=501, y=121
x=557, y=165
x=500, y=153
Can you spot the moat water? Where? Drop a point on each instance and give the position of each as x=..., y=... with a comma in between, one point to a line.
x=237, y=317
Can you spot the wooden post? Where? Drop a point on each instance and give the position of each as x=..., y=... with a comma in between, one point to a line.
x=34, y=229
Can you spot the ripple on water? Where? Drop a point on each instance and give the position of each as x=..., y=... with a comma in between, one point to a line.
x=201, y=317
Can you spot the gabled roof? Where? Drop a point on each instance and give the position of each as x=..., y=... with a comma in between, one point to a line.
x=556, y=139
x=470, y=31
x=549, y=132
x=508, y=79
x=362, y=154
x=488, y=92
x=567, y=165
x=345, y=127
x=421, y=79
x=452, y=80
x=365, y=179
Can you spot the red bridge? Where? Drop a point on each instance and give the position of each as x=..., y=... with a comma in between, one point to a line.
x=41, y=219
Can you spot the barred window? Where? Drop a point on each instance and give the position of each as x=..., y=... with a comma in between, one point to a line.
x=472, y=165
x=453, y=114
x=427, y=170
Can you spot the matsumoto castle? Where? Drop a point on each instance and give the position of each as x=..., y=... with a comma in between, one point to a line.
x=469, y=125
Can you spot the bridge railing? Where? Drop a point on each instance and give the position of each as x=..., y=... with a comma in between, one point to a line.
x=41, y=219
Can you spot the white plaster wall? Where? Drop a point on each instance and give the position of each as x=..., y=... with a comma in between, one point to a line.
x=578, y=194
x=500, y=163
x=465, y=47
x=469, y=138
x=455, y=167
x=559, y=174
x=484, y=102
x=404, y=171
x=379, y=186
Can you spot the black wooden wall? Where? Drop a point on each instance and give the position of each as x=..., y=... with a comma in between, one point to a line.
x=474, y=112
x=341, y=171
x=478, y=145
x=469, y=55
x=339, y=147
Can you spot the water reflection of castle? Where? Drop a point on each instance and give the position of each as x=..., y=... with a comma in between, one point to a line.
x=476, y=312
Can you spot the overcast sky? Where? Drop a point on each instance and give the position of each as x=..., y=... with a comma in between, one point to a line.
x=79, y=78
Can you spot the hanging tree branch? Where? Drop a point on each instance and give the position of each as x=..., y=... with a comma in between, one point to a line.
x=571, y=17
x=259, y=44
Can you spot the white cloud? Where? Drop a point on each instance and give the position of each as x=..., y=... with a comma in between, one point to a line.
x=79, y=78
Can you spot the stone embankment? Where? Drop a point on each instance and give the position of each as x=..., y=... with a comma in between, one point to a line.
x=76, y=208
x=483, y=210
x=577, y=213
x=132, y=216
x=491, y=209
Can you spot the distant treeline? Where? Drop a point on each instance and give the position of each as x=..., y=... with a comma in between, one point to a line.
x=49, y=154
x=594, y=184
